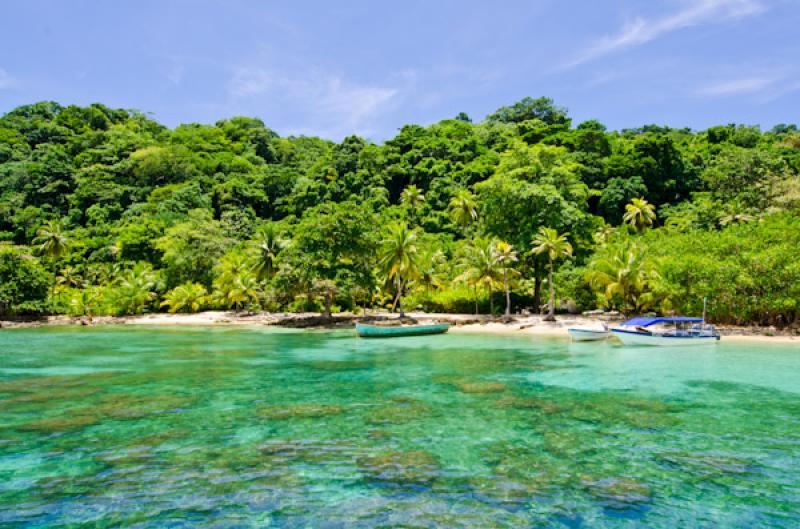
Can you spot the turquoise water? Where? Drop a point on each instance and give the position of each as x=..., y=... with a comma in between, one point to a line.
x=146, y=427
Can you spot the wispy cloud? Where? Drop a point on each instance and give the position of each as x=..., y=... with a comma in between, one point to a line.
x=337, y=104
x=6, y=81
x=643, y=30
x=746, y=85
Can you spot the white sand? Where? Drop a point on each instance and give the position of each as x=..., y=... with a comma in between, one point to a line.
x=462, y=323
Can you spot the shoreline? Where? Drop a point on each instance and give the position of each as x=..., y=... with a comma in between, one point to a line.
x=460, y=323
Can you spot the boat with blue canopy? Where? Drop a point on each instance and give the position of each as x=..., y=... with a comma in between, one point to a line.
x=666, y=330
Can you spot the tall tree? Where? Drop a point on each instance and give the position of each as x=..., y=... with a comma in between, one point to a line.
x=412, y=198
x=481, y=268
x=506, y=256
x=268, y=243
x=639, y=214
x=463, y=208
x=556, y=246
x=399, y=259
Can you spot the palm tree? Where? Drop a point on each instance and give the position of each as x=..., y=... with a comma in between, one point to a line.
x=556, y=246
x=412, y=198
x=481, y=268
x=506, y=256
x=189, y=297
x=430, y=263
x=269, y=243
x=51, y=240
x=463, y=209
x=736, y=218
x=53, y=243
x=399, y=259
x=243, y=290
x=84, y=301
x=623, y=275
x=639, y=214
x=69, y=277
x=135, y=286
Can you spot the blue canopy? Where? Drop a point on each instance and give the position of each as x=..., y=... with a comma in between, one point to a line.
x=647, y=322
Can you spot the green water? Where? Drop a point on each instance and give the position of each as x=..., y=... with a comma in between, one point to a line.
x=144, y=427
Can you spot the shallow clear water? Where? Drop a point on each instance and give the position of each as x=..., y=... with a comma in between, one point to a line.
x=144, y=427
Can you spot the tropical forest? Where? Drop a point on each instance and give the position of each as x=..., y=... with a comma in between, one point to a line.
x=107, y=212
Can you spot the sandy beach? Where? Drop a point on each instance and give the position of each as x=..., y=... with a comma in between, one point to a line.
x=460, y=323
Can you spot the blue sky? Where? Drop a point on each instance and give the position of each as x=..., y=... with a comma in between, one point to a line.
x=368, y=67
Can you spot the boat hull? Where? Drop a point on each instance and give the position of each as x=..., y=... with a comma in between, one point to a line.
x=588, y=335
x=641, y=338
x=378, y=331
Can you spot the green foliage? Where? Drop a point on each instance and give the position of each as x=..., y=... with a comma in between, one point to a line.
x=24, y=283
x=231, y=215
x=189, y=297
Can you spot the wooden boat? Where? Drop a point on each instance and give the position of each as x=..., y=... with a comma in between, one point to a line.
x=678, y=330
x=386, y=331
x=588, y=335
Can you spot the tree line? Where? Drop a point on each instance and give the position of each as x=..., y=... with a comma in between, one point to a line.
x=105, y=211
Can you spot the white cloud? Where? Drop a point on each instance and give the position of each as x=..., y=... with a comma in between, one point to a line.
x=336, y=105
x=747, y=85
x=6, y=81
x=642, y=30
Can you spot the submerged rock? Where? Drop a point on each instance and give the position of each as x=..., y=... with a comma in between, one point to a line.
x=279, y=412
x=399, y=468
x=520, y=403
x=400, y=411
x=481, y=387
x=706, y=464
x=125, y=406
x=60, y=424
x=339, y=365
x=618, y=493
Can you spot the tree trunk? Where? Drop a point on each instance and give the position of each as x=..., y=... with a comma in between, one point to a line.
x=328, y=303
x=400, y=296
x=491, y=301
x=537, y=288
x=551, y=309
x=508, y=293
x=475, y=292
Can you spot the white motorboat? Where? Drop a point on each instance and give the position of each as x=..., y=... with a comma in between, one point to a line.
x=676, y=330
x=588, y=334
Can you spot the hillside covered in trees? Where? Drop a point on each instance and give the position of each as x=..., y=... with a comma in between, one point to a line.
x=105, y=211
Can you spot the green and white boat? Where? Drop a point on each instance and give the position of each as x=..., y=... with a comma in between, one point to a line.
x=393, y=331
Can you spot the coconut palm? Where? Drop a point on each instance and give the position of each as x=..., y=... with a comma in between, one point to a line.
x=242, y=290
x=51, y=240
x=639, y=214
x=481, y=268
x=269, y=243
x=83, y=302
x=53, y=243
x=430, y=264
x=623, y=276
x=463, y=209
x=70, y=277
x=412, y=198
x=188, y=297
x=399, y=259
x=506, y=256
x=736, y=218
x=549, y=241
x=135, y=289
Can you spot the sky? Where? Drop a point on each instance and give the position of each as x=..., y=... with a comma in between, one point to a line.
x=366, y=67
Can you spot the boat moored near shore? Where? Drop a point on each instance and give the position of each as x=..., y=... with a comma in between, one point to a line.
x=676, y=330
x=393, y=331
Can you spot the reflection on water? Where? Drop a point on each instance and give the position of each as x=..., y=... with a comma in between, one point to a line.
x=142, y=427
